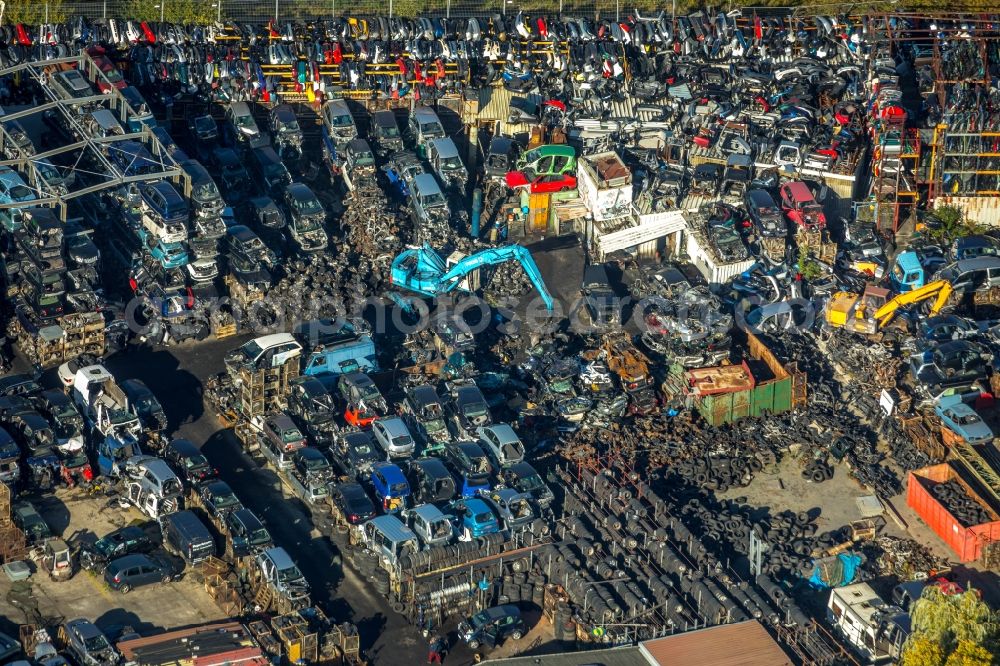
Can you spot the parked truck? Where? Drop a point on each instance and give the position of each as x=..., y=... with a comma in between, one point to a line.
x=875, y=629
x=113, y=428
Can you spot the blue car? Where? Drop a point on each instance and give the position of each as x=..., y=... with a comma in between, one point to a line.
x=963, y=420
x=170, y=255
x=13, y=190
x=391, y=487
x=475, y=518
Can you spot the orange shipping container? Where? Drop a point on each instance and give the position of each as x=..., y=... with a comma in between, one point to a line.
x=967, y=542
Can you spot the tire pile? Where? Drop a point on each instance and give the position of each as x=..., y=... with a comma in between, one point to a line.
x=966, y=510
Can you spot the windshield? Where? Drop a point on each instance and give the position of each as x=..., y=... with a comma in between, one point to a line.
x=451, y=163
x=365, y=159
x=223, y=501
x=432, y=129
x=147, y=405
x=399, y=489
x=362, y=449
x=341, y=121
x=291, y=435
x=308, y=206
x=479, y=619
x=483, y=517
x=316, y=463
x=260, y=537
x=966, y=419
x=78, y=459
x=20, y=192
x=530, y=483
x=95, y=643
x=204, y=124
x=206, y=191
x=369, y=392
x=435, y=199
x=196, y=461
x=475, y=410
x=252, y=350
x=245, y=122
x=290, y=574
x=104, y=546
x=402, y=440
x=390, y=132
x=434, y=426
x=289, y=127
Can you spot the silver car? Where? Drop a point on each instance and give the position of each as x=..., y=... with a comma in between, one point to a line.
x=394, y=437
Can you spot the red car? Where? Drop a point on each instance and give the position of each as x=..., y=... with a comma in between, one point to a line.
x=801, y=207
x=114, y=77
x=540, y=184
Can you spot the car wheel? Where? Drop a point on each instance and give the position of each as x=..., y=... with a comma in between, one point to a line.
x=473, y=644
x=125, y=589
x=517, y=635
x=166, y=578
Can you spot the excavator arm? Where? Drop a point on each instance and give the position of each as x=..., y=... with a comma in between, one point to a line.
x=941, y=289
x=436, y=280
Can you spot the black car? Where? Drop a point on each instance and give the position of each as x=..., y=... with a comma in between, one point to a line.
x=492, y=626
x=355, y=452
x=952, y=364
x=32, y=431
x=34, y=527
x=284, y=126
x=61, y=413
x=352, y=501
x=19, y=384
x=767, y=218
x=233, y=176
x=246, y=533
x=12, y=405
x=468, y=459
x=127, y=573
x=124, y=541
x=469, y=411
x=218, y=498
x=309, y=399
x=523, y=478
x=245, y=244
x=188, y=462
x=81, y=250
x=145, y=405
x=501, y=158
x=430, y=481
x=599, y=297
x=203, y=128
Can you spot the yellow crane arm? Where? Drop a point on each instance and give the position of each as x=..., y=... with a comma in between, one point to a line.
x=940, y=288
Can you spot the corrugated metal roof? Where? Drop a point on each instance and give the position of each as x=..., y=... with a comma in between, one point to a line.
x=741, y=644
x=621, y=656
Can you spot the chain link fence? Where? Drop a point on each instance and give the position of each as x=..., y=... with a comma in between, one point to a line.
x=256, y=11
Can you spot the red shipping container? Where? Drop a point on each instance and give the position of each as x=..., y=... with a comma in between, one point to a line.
x=967, y=542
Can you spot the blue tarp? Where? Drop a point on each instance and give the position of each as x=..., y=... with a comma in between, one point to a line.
x=835, y=571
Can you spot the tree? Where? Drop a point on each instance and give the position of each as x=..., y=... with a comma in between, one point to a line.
x=809, y=268
x=948, y=223
x=951, y=630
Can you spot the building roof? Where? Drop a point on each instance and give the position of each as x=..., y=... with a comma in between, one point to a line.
x=741, y=644
x=620, y=656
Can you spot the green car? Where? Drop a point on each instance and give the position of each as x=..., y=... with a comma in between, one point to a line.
x=552, y=160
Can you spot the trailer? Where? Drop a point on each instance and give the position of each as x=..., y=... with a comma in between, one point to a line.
x=725, y=394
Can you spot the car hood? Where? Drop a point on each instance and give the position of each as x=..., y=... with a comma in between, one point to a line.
x=516, y=179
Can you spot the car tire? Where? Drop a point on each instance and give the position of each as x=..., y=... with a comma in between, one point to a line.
x=167, y=578
x=125, y=589
x=517, y=635
x=473, y=644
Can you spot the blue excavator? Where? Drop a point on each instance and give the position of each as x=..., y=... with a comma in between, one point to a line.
x=423, y=271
